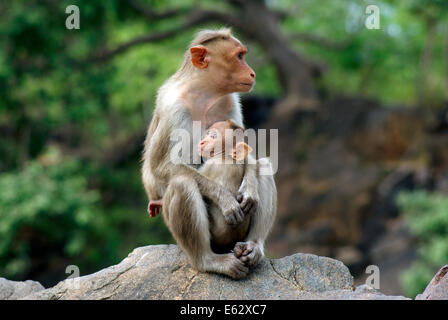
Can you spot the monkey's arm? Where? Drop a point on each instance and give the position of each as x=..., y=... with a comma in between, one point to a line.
x=248, y=191
x=151, y=187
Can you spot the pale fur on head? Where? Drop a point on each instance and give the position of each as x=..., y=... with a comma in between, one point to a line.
x=203, y=37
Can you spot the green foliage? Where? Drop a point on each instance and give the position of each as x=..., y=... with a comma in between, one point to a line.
x=90, y=213
x=48, y=204
x=385, y=63
x=48, y=208
x=427, y=217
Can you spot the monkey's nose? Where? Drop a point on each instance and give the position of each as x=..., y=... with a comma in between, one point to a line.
x=252, y=75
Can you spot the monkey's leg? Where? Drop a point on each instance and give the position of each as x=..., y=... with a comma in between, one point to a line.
x=186, y=216
x=252, y=250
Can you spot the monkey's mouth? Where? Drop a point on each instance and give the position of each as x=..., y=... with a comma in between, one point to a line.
x=247, y=84
x=205, y=153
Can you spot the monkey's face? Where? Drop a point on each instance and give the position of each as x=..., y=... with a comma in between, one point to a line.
x=219, y=140
x=225, y=67
x=212, y=144
x=232, y=72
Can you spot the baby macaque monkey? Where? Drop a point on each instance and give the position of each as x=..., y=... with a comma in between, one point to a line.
x=227, y=162
x=224, y=164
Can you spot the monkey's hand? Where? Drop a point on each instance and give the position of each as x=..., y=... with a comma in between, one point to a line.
x=230, y=208
x=248, y=198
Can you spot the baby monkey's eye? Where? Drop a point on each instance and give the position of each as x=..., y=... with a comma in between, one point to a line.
x=240, y=55
x=211, y=134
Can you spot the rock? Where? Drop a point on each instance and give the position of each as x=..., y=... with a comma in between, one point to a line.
x=369, y=293
x=163, y=272
x=13, y=290
x=437, y=289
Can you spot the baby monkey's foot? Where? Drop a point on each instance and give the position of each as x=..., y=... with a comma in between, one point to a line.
x=248, y=252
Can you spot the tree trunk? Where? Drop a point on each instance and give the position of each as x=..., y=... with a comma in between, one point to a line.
x=425, y=62
x=294, y=72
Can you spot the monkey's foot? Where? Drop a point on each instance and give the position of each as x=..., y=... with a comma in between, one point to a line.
x=250, y=253
x=154, y=207
x=226, y=264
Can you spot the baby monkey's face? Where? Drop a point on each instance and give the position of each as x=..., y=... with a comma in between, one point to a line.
x=214, y=141
x=220, y=139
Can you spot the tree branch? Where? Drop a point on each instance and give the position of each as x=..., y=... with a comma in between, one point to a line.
x=196, y=17
x=322, y=41
x=153, y=37
x=151, y=15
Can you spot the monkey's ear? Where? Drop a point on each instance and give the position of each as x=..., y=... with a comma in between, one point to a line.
x=199, y=57
x=241, y=151
x=233, y=125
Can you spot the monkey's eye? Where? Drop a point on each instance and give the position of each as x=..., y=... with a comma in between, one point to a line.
x=240, y=55
x=211, y=134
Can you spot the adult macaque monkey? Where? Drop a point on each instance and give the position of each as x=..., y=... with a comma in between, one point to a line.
x=203, y=89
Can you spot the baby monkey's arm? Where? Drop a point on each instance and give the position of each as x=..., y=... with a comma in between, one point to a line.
x=248, y=192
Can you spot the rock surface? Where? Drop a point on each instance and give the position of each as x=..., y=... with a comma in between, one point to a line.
x=13, y=290
x=437, y=289
x=163, y=272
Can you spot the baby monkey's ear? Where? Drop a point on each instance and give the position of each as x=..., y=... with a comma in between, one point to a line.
x=241, y=151
x=233, y=125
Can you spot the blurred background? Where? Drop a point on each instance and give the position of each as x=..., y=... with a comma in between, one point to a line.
x=362, y=117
